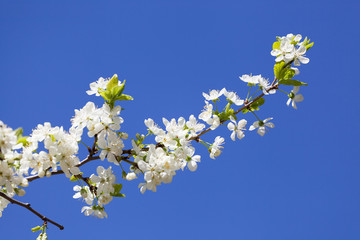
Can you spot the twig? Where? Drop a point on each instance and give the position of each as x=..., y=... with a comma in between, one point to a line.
x=247, y=105
x=27, y=206
x=86, y=160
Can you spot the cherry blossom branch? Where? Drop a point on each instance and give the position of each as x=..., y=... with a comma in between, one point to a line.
x=86, y=160
x=88, y=182
x=28, y=207
x=246, y=106
x=125, y=159
x=197, y=137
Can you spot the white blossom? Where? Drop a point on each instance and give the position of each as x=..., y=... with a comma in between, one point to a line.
x=231, y=96
x=294, y=97
x=213, y=95
x=250, y=79
x=265, y=86
x=215, y=147
x=261, y=126
x=84, y=193
x=237, y=128
x=94, y=210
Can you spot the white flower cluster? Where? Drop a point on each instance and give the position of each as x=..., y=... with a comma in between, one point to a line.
x=258, y=80
x=104, y=183
x=61, y=147
x=207, y=114
x=3, y=204
x=10, y=178
x=291, y=49
x=99, y=85
x=159, y=163
x=103, y=122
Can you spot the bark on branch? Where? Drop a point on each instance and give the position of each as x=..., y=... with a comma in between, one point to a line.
x=28, y=207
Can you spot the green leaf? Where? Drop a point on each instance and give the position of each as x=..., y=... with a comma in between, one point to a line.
x=19, y=132
x=255, y=105
x=115, y=92
x=283, y=73
x=277, y=69
x=276, y=45
x=23, y=141
x=292, y=82
x=117, y=187
x=106, y=95
x=37, y=228
x=73, y=178
x=124, y=97
x=287, y=73
x=117, y=195
x=121, y=89
x=112, y=83
x=308, y=46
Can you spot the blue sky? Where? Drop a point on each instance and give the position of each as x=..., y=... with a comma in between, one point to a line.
x=300, y=181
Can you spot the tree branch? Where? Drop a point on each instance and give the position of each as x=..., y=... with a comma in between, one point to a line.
x=27, y=206
x=86, y=160
x=247, y=105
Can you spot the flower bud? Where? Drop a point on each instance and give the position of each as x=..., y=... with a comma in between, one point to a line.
x=131, y=176
x=41, y=173
x=20, y=192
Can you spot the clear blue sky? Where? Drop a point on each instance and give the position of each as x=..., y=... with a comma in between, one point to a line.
x=300, y=181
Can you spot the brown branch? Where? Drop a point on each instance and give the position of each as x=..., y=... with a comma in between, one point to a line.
x=27, y=206
x=86, y=160
x=88, y=182
x=246, y=106
x=128, y=161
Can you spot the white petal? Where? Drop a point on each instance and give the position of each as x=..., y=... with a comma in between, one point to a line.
x=304, y=60
x=288, y=101
x=232, y=136
x=261, y=131
x=192, y=165
x=298, y=98
x=296, y=89
x=231, y=126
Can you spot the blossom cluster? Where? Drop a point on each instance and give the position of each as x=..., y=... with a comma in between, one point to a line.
x=160, y=162
x=291, y=49
x=102, y=122
x=49, y=149
x=60, y=149
x=11, y=179
x=104, y=188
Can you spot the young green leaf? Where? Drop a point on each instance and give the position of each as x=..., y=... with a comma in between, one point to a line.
x=106, y=95
x=276, y=45
x=117, y=187
x=255, y=105
x=23, y=141
x=287, y=73
x=277, y=69
x=112, y=83
x=292, y=82
x=308, y=46
x=124, y=97
x=37, y=228
x=19, y=132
